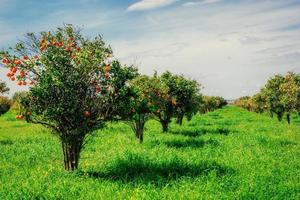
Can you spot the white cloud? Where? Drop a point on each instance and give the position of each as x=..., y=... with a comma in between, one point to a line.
x=194, y=3
x=149, y=4
x=227, y=48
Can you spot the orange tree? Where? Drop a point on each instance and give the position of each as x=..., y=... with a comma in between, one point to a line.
x=290, y=93
x=273, y=96
x=72, y=85
x=186, y=92
x=147, y=95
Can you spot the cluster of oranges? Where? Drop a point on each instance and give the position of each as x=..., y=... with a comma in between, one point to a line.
x=19, y=117
x=69, y=46
x=14, y=68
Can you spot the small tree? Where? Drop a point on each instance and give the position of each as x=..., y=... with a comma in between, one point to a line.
x=186, y=92
x=259, y=103
x=273, y=96
x=70, y=85
x=147, y=95
x=290, y=92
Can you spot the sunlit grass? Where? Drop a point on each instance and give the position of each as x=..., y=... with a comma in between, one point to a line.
x=227, y=154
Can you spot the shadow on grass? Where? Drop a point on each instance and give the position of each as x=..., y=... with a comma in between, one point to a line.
x=201, y=131
x=188, y=143
x=137, y=169
x=6, y=142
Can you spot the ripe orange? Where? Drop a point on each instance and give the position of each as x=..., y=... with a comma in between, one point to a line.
x=5, y=61
x=107, y=68
x=24, y=83
x=14, y=69
x=106, y=75
x=18, y=62
x=19, y=83
x=22, y=74
x=9, y=74
x=86, y=113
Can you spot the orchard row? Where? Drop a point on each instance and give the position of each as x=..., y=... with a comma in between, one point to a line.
x=280, y=96
x=76, y=87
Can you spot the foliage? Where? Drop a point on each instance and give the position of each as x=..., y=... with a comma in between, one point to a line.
x=186, y=92
x=16, y=101
x=5, y=104
x=148, y=96
x=280, y=95
x=211, y=103
x=3, y=88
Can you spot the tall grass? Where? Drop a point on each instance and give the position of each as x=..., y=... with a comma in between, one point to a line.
x=227, y=154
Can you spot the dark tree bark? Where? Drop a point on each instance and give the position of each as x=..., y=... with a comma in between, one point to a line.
x=165, y=126
x=71, y=152
x=279, y=116
x=288, y=117
x=138, y=128
x=180, y=119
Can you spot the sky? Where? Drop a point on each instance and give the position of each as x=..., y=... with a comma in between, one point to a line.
x=231, y=47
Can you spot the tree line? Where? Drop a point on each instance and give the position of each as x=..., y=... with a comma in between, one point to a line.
x=76, y=87
x=280, y=97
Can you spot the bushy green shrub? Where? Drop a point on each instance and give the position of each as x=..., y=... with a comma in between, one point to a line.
x=5, y=104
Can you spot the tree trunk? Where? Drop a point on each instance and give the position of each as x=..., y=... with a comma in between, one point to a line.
x=288, y=117
x=141, y=136
x=279, y=116
x=180, y=119
x=165, y=126
x=138, y=129
x=71, y=152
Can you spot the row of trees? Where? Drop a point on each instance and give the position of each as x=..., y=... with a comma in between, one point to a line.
x=76, y=87
x=280, y=96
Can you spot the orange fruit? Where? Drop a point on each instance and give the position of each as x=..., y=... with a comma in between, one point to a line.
x=18, y=62
x=107, y=68
x=86, y=113
x=22, y=74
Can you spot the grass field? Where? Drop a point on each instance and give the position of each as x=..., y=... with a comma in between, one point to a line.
x=226, y=154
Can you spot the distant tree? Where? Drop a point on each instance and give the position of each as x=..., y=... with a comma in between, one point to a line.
x=71, y=85
x=186, y=92
x=5, y=103
x=244, y=102
x=3, y=88
x=273, y=96
x=258, y=103
x=147, y=96
x=290, y=93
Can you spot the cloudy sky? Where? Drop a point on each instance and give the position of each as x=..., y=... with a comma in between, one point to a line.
x=230, y=46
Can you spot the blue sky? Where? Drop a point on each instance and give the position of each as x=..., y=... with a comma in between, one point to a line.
x=230, y=46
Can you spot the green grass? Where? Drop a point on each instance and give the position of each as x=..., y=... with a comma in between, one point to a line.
x=227, y=154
